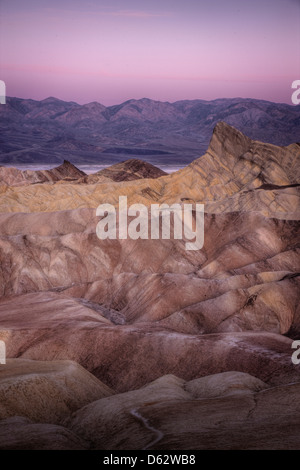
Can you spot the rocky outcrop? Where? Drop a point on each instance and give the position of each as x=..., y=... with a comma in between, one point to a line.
x=14, y=177
x=129, y=170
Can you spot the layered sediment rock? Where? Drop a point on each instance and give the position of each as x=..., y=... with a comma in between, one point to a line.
x=173, y=349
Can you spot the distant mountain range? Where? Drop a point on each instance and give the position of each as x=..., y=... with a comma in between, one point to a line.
x=52, y=130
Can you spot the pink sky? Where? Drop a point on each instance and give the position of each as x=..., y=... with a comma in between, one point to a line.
x=111, y=51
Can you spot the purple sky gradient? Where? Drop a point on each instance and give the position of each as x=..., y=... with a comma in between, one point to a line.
x=113, y=50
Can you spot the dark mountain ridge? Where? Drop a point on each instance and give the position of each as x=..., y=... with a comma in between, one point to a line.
x=47, y=131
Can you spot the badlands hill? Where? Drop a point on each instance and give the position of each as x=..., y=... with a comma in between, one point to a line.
x=128, y=170
x=14, y=177
x=140, y=344
x=232, y=410
x=133, y=169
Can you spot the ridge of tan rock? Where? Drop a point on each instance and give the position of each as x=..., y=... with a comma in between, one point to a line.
x=224, y=179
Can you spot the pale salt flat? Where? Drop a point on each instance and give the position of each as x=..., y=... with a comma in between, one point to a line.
x=89, y=169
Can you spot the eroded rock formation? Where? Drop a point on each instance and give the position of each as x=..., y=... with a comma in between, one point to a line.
x=171, y=349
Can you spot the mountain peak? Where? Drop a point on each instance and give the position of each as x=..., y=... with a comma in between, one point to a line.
x=67, y=170
x=222, y=128
x=94, y=105
x=53, y=100
x=227, y=138
x=131, y=169
x=183, y=129
x=50, y=99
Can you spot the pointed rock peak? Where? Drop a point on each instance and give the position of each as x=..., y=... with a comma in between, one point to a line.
x=131, y=169
x=68, y=169
x=137, y=163
x=227, y=138
x=147, y=169
x=67, y=163
x=223, y=129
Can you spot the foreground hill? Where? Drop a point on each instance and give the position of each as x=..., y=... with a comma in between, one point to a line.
x=230, y=410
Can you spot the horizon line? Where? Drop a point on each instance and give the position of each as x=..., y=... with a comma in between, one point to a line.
x=154, y=100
